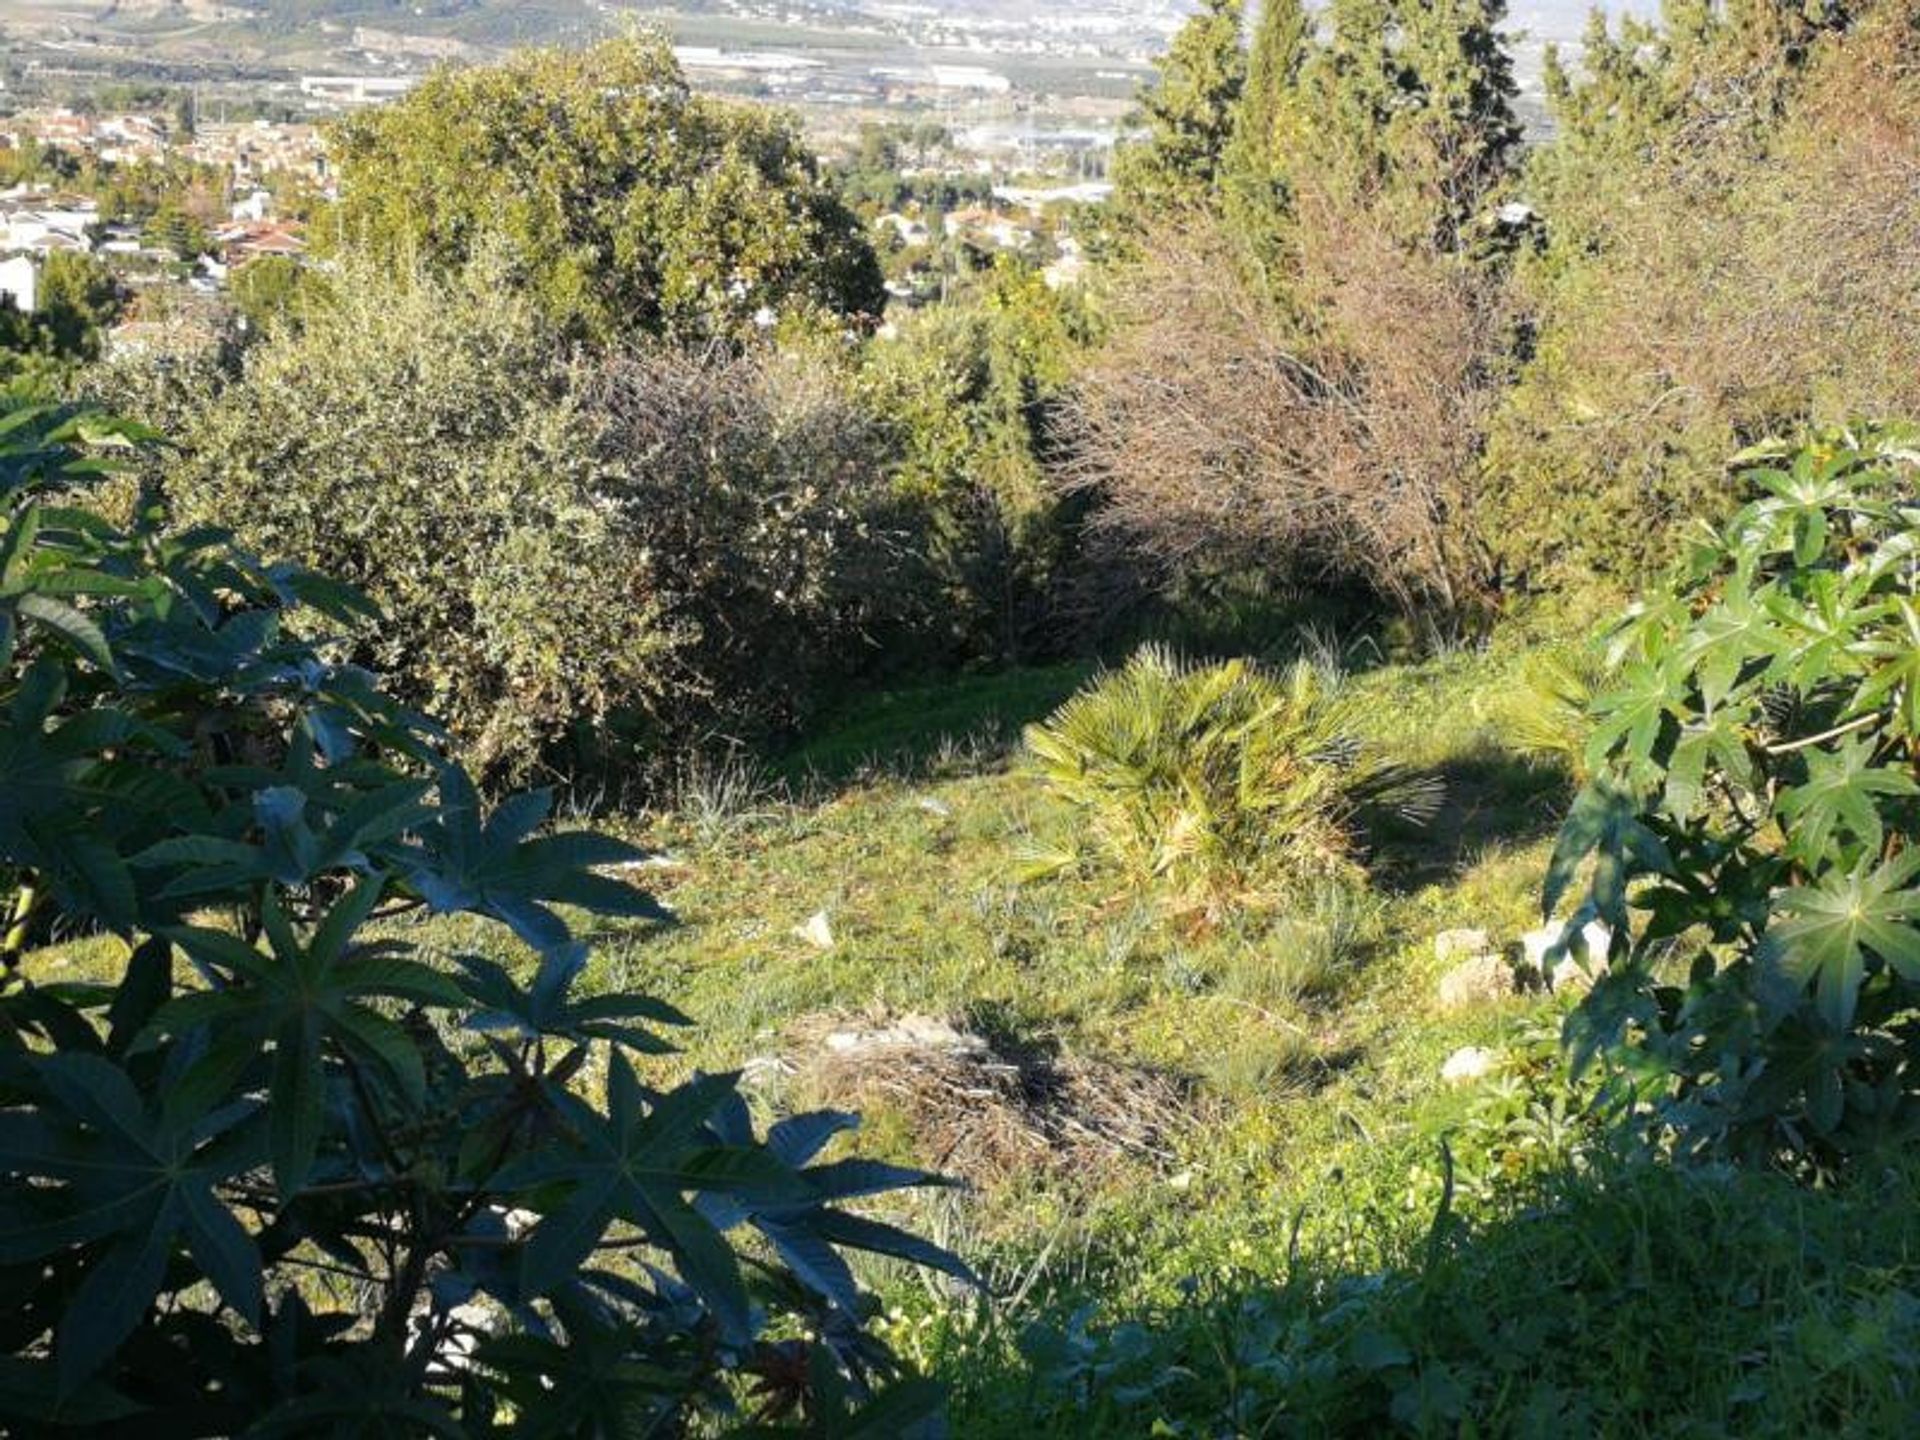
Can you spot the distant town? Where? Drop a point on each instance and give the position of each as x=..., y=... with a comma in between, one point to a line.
x=178, y=142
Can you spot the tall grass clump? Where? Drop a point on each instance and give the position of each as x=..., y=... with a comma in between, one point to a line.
x=1220, y=787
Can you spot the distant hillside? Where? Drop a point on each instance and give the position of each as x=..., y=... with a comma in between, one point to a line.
x=482, y=22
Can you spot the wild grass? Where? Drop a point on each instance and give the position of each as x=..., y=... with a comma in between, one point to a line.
x=1275, y=1272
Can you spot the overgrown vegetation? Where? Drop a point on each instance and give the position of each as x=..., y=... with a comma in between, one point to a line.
x=1276, y=1113
x=275, y=1173
x=1753, y=796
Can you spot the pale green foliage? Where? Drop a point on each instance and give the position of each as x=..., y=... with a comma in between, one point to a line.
x=1220, y=786
x=1549, y=714
x=625, y=204
x=417, y=439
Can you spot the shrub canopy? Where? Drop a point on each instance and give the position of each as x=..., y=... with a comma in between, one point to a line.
x=624, y=204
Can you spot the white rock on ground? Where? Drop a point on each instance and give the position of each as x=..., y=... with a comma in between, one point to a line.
x=817, y=932
x=1465, y=1066
x=1596, y=933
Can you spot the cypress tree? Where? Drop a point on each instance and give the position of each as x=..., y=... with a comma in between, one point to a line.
x=1257, y=190
x=1190, y=115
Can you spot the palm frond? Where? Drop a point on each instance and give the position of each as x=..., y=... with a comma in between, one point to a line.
x=1221, y=783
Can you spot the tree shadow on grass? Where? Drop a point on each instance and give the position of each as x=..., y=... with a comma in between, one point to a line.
x=1489, y=797
x=960, y=725
x=1547, y=1318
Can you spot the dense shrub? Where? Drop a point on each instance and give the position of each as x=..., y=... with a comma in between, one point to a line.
x=1752, y=819
x=1221, y=433
x=421, y=440
x=626, y=205
x=1219, y=786
x=574, y=553
x=751, y=492
x=264, y=1168
x=1312, y=331
x=968, y=396
x=1731, y=211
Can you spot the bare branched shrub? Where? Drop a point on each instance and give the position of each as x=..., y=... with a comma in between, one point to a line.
x=1332, y=431
x=752, y=486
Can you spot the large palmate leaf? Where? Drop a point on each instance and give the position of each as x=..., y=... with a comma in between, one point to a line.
x=549, y=1008
x=808, y=1233
x=1605, y=823
x=1840, y=798
x=1834, y=924
x=487, y=864
x=110, y=1168
x=637, y=1164
x=602, y=1378
x=1630, y=716
x=1893, y=676
x=302, y=999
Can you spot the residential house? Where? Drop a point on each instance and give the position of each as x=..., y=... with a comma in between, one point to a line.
x=20, y=283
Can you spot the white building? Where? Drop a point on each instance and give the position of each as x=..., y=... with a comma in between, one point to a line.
x=356, y=89
x=20, y=283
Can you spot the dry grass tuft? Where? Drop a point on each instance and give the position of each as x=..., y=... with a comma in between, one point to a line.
x=987, y=1116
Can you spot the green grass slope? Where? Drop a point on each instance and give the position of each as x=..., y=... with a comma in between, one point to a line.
x=1215, y=1179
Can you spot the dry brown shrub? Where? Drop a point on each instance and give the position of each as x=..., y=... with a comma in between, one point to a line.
x=984, y=1116
x=1331, y=432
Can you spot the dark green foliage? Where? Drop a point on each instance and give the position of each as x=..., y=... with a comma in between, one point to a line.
x=1622, y=1300
x=968, y=397
x=659, y=213
x=274, y=1172
x=172, y=228
x=78, y=299
x=1755, y=804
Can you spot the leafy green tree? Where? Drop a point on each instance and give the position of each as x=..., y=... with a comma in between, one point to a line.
x=79, y=300
x=172, y=228
x=1256, y=162
x=625, y=204
x=275, y=290
x=271, y=1169
x=1189, y=114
